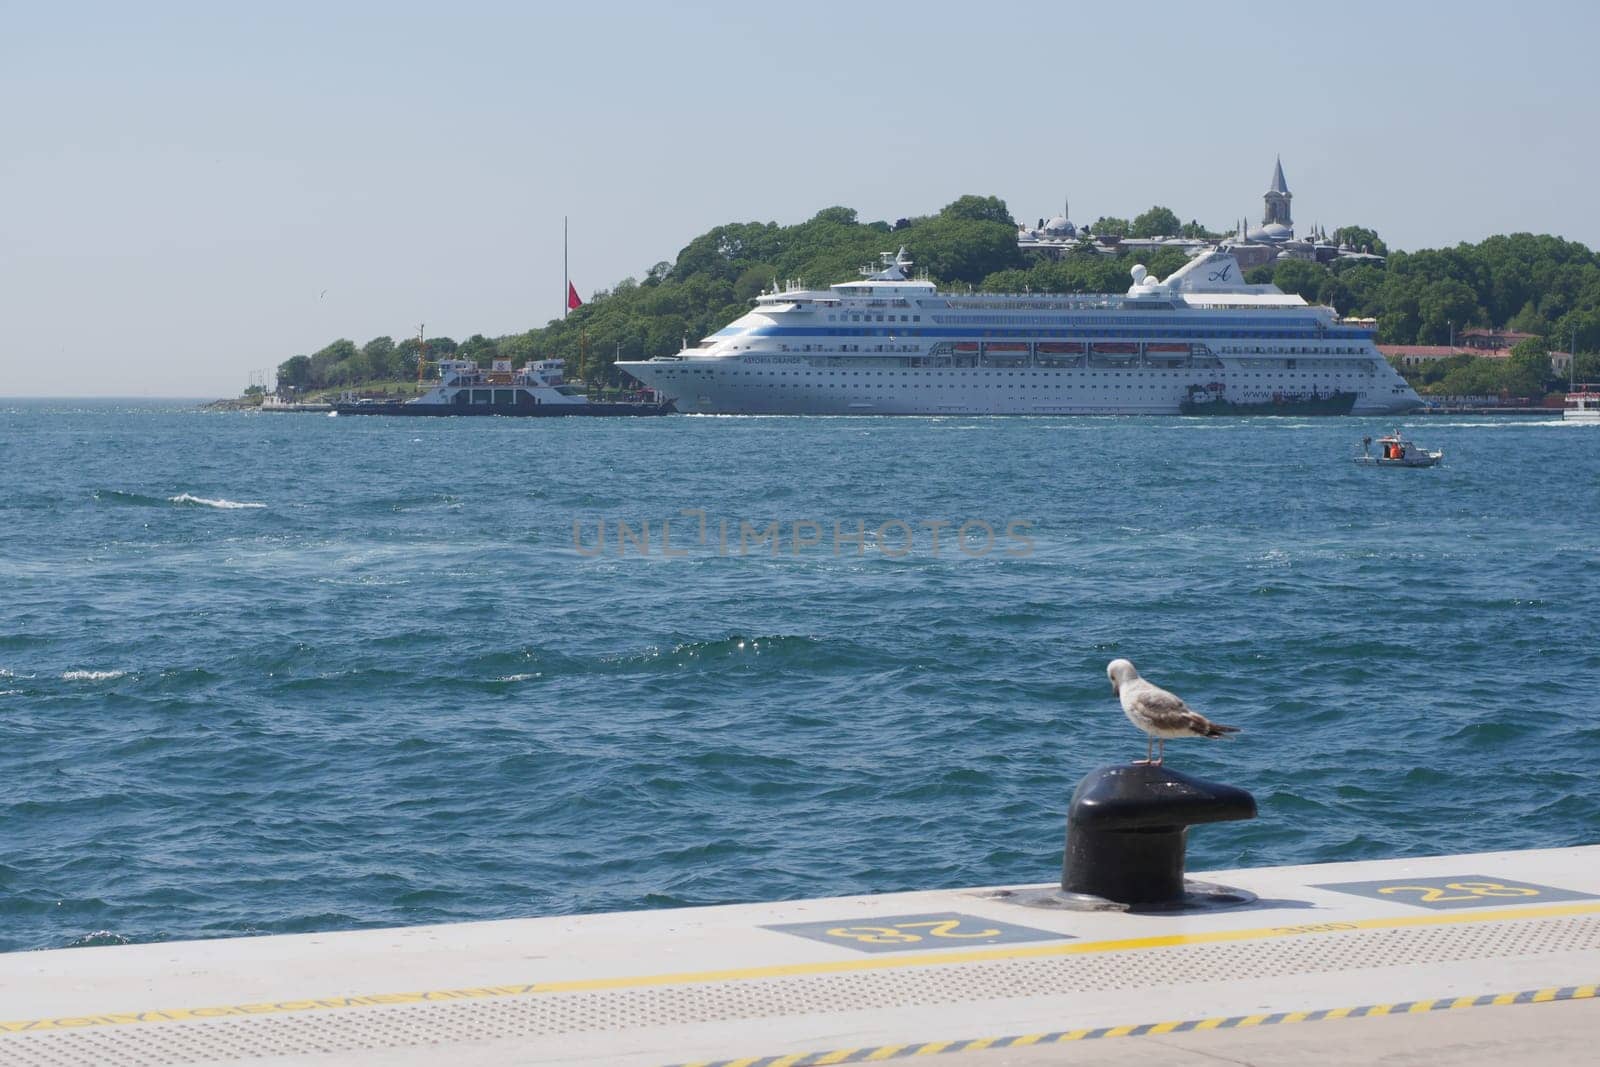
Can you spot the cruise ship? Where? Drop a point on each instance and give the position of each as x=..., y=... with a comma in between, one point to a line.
x=893, y=344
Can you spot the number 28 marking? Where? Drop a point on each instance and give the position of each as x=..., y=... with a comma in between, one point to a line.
x=899, y=933
x=1463, y=891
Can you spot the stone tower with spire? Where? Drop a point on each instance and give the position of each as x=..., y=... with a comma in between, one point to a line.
x=1277, y=198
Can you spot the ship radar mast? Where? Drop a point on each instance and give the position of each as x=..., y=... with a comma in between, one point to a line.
x=896, y=267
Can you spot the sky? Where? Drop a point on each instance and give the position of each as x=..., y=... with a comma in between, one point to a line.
x=193, y=193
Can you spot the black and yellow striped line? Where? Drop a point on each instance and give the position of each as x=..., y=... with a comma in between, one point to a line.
x=880, y=1053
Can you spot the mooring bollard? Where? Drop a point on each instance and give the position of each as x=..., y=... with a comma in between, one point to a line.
x=1128, y=826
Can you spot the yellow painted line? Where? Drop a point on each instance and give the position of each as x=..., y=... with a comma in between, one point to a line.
x=1234, y=1022
x=1052, y=950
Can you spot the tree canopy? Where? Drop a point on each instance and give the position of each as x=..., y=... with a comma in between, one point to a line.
x=1157, y=222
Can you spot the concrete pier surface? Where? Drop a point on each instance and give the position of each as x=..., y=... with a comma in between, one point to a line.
x=1471, y=959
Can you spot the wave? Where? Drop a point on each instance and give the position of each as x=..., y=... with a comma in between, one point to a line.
x=91, y=676
x=99, y=938
x=140, y=500
x=226, y=505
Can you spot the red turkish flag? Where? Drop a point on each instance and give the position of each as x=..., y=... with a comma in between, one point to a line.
x=573, y=303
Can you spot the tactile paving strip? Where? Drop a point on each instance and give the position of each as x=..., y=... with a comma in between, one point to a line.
x=551, y=1014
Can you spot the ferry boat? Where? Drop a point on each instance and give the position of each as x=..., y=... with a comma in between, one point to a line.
x=893, y=344
x=538, y=389
x=1583, y=405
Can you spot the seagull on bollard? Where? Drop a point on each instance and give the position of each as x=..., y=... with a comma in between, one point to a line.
x=1158, y=713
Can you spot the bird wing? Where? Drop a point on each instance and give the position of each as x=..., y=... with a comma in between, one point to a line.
x=1164, y=714
x=1165, y=710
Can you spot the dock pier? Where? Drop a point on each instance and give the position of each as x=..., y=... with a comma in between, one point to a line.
x=1468, y=959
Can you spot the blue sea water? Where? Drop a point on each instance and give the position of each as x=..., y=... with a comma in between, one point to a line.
x=270, y=673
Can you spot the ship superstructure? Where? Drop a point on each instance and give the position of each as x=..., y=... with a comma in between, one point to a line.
x=893, y=344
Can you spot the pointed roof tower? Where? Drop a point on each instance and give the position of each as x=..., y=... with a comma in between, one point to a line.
x=1278, y=184
x=1277, y=205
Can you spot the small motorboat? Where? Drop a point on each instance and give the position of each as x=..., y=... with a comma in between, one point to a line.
x=1396, y=451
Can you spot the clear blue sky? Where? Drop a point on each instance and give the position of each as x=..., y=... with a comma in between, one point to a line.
x=193, y=192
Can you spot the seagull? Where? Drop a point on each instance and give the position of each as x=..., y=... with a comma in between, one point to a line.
x=1157, y=712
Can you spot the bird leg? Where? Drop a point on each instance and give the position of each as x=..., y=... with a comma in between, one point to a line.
x=1149, y=747
x=1161, y=751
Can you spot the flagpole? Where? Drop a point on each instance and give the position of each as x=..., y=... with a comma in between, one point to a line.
x=565, y=281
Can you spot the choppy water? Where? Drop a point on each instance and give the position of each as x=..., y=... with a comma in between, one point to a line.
x=266, y=673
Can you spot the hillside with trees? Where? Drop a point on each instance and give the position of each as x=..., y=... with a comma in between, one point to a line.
x=1541, y=285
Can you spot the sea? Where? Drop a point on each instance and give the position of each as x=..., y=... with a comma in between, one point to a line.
x=268, y=673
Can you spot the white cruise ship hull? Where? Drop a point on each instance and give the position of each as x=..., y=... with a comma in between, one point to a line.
x=732, y=387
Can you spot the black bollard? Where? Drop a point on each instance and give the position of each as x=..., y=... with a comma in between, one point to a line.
x=1127, y=830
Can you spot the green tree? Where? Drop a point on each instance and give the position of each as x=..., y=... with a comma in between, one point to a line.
x=519, y=348
x=380, y=356
x=1157, y=222
x=1361, y=239
x=963, y=250
x=1528, y=320
x=1527, y=368
x=478, y=348
x=1109, y=226
x=295, y=373
x=1298, y=276
x=979, y=209
x=325, y=360
x=1444, y=308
